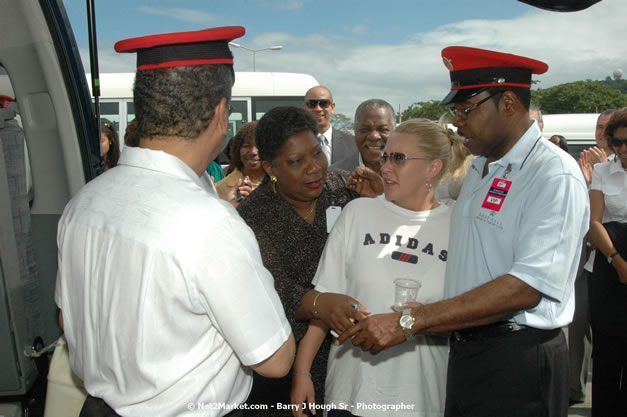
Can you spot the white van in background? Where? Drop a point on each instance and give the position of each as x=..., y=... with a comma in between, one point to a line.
x=577, y=128
x=254, y=93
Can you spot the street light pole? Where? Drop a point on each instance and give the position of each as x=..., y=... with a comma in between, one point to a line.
x=254, y=51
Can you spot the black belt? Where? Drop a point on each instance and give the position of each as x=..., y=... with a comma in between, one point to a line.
x=489, y=330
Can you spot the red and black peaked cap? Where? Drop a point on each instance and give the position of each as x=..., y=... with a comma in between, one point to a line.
x=472, y=69
x=201, y=47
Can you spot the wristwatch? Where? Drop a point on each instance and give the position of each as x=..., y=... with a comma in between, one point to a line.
x=611, y=257
x=406, y=321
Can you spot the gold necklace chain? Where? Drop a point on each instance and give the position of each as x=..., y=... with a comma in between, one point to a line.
x=313, y=206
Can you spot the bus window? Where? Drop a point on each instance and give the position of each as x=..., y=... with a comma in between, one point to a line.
x=253, y=94
x=130, y=112
x=262, y=104
x=111, y=111
x=238, y=116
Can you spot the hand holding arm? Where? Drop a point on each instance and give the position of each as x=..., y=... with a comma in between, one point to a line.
x=335, y=310
x=491, y=302
x=375, y=333
x=365, y=182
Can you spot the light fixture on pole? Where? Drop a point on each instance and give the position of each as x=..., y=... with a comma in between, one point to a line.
x=254, y=51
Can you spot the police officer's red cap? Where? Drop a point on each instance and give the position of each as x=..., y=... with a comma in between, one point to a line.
x=201, y=47
x=5, y=101
x=473, y=68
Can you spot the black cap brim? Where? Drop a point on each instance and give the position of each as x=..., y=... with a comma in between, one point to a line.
x=457, y=96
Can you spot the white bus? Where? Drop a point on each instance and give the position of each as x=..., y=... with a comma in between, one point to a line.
x=577, y=128
x=254, y=93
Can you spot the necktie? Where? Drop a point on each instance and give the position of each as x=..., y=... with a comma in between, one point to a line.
x=326, y=146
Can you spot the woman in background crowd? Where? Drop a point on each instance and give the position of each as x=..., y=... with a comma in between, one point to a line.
x=110, y=143
x=247, y=172
x=608, y=283
x=560, y=141
x=131, y=135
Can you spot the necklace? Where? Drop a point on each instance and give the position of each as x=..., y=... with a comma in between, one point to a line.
x=313, y=206
x=311, y=210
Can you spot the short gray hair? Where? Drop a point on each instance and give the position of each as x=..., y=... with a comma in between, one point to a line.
x=374, y=103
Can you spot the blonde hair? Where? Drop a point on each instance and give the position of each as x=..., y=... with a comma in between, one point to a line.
x=437, y=141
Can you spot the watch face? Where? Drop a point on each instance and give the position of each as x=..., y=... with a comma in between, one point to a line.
x=407, y=321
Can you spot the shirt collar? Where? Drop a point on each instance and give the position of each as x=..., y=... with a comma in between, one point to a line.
x=517, y=154
x=328, y=133
x=165, y=163
x=616, y=167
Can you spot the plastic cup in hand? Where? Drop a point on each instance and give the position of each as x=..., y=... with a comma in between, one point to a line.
x=405, y=290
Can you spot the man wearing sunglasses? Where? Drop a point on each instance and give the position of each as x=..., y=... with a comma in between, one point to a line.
x=516, y=231
x=336, y=144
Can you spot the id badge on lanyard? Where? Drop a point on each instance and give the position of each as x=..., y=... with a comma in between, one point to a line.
x=497, y=193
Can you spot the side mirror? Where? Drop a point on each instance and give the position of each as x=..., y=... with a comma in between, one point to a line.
x=561, y=5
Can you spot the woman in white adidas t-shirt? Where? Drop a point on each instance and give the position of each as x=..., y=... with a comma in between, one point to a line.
x=403, y=234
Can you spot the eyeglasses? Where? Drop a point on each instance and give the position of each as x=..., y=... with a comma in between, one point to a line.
x=617, y=142
x=398, y=158
x=230, y=108
x=323, y=103
x=463, y=113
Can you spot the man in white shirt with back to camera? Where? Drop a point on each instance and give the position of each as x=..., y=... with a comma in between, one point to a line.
x=165, y=302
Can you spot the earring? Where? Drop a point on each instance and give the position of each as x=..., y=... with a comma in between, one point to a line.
x=273, y=179
x=429, y=186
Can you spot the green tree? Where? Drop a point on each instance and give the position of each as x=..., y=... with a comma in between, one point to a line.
x=578, y=97
x=431, y=110
x=620, y=85
x=341, y=122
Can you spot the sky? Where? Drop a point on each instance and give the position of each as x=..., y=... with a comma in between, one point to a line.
x=362, y=49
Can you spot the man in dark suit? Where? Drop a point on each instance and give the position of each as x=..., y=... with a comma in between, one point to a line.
x=336, y=144
x=374, y=121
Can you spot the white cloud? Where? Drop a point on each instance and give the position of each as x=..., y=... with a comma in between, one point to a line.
x=186, y=15
x=577, y=46
x=359, y=30
x=289, y=4
x=584, y=45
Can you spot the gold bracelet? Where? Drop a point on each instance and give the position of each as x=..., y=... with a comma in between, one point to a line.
x=314, y=312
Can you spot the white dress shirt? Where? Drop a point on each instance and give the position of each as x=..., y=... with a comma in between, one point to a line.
x=164, y=295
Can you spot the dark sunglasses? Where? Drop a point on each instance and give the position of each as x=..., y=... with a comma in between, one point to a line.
x=323, y=103
x=397, y=158
x=617, y=143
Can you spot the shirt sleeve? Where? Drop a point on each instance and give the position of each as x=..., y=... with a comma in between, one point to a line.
x=551, y=230
x=240, y=297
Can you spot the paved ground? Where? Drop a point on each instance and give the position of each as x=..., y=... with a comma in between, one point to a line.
x=583, y=409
